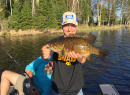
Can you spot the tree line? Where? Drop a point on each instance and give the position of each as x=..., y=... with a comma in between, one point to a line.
x=41, y=14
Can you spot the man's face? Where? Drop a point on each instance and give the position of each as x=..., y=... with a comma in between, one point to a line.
x=69, y=29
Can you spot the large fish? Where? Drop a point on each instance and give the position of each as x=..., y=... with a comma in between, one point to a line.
x=83, y=46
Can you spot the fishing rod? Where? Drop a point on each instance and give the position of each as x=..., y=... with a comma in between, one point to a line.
x=10, y=56
x=16, y=63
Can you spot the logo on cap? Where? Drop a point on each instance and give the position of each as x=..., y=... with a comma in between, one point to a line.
x=69, y=17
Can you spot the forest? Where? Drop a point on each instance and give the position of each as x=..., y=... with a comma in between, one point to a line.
x=42, y=14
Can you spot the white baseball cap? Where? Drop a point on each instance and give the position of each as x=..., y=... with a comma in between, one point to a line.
x=69, y=17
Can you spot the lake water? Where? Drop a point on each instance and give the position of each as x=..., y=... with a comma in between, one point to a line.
x=114, y=70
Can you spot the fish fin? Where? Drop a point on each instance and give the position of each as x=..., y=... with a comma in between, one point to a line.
x=87, y=55
x=65, y=52
x=90, y=37
x=102, y=54
x=61, y=51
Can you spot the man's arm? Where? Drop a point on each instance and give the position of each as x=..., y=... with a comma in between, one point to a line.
x=46, y=53
x=29, y=74
x=33, y=90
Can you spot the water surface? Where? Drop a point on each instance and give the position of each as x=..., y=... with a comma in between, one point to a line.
x=114, y=70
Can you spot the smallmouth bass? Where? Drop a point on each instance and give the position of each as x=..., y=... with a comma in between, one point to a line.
x=78, y=44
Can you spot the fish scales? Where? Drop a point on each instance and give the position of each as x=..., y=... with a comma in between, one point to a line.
x=77, y=44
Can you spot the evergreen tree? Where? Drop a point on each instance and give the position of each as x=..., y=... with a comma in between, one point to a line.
x=39, y=18
x=60, y=8
x=50, y=15
x=104, y=15
x=22, y=16
x=26, y=16
x=2, y=12
x=113, y=12
x=15, y=19
x=86, y=11
x=5, y=6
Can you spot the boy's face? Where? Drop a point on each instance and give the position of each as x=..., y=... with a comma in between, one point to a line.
x=69, y=29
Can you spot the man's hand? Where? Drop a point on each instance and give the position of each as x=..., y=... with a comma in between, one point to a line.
x=50, y=64
x=29, y=75
x=46, y=53
x=79, y=57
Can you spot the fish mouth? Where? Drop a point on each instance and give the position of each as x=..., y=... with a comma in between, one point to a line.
x=51, y=47
x=55, y=48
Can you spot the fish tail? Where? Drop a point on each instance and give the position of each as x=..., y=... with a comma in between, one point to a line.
x=102, y=54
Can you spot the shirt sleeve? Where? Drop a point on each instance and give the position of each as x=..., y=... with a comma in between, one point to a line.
x=33, y=65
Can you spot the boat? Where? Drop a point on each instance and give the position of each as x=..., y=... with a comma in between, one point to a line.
x=106, y=89
x=12, y=91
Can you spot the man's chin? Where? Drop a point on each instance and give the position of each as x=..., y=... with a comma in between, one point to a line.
x=66, y=35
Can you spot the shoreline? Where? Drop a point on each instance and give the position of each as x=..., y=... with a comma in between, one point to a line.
x=52, y=31
x=101, y=28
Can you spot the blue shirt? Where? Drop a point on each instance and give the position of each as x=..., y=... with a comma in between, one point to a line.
x=42, y=80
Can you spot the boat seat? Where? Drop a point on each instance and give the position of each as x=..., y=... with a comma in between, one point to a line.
x=108, y=89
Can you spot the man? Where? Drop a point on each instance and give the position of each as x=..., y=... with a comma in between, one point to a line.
x=67, y=78
x=34, y=72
